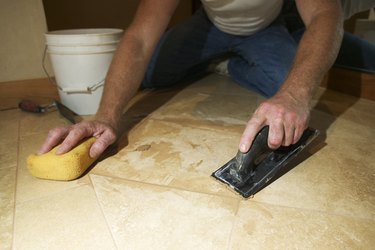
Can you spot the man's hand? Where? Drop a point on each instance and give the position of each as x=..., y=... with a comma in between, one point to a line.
x=70, y=136
x=286, y=116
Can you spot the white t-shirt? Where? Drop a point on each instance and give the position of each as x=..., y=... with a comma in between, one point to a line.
x=351, y=7
x=242, y=17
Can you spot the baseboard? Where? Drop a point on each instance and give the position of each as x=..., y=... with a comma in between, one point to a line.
x=351, y=82
x=40, y=91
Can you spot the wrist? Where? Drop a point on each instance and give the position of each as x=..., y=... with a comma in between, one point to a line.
x=108, y=119
x=299, y=90
x=301, y=98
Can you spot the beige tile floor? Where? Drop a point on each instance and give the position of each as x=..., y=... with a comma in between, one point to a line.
x=156, y=191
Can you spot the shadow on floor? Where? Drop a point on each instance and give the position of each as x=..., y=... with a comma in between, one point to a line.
x=147, y=102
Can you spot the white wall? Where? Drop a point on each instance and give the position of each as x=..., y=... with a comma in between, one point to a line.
x=22, y=28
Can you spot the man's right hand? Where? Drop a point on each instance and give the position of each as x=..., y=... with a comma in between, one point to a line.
x=71, y=136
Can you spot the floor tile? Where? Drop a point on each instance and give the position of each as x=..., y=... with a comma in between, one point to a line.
x=9, y=125
x=30, y=187
x=260, y=226
x=213, y=99
x=71, y=219
x=7, y=192
x=166, y=153
x=218, y=108
x=11, y=115
x=31, y=123
x=143, y=216
x=193, y=106
x=214, y=84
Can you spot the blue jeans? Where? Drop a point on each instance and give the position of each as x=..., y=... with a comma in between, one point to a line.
x=355, y=53
x=259, y=62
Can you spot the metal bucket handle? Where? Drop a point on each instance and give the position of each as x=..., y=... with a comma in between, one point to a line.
x=68, y=90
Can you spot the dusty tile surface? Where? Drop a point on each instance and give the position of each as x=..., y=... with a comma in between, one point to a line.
x=218, y=108
x=7, y=191
x=172, y=154
x=70, y=219
x=261, y=226
x=143, y=216
x=9, y=126
x=156, y=191
x=214, y=99
x=31, y=124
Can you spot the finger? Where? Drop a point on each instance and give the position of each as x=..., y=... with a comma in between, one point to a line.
x=54, y=137
x=298, y=134
x=252, y=128
x=302, y=126
x=275, y=134
x=288, y=135
x=103, y=141
x=75, y=136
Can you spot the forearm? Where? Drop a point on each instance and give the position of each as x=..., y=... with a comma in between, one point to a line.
x=132, y=57
x=123, y=79
x=316, y=53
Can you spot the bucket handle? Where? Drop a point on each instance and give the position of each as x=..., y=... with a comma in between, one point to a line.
x=68, y=90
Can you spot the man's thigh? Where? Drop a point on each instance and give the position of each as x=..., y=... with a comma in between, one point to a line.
x=264, y=59
x=185, y=50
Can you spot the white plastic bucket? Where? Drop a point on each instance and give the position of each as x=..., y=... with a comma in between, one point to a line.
x=80, y=60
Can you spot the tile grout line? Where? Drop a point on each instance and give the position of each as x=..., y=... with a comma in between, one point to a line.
x=177, y=122
x=16, y=182
x=102, y=211
x=168, y=187
x=237, y=200
x=229, y=243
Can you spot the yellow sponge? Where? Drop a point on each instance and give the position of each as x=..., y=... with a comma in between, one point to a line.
x=66, y=167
